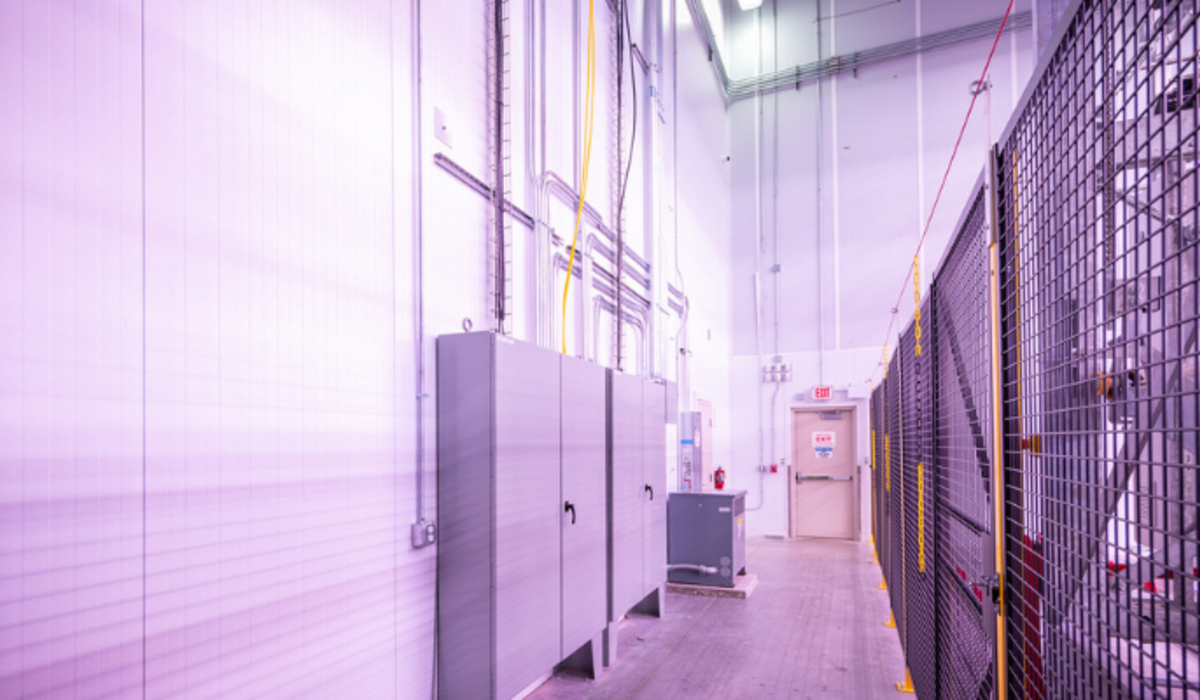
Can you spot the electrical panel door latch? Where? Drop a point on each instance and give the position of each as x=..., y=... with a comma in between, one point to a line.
x=989, y=586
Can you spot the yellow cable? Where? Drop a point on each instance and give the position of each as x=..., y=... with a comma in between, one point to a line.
x=589, y=121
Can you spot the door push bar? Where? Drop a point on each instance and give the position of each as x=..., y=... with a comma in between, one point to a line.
x=800, y=478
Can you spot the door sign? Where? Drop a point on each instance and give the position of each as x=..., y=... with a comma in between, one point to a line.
x=823, y=444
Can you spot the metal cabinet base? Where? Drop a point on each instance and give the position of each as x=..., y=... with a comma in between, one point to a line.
x=707, y=530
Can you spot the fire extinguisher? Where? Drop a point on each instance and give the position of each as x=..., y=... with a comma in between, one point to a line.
x=719, y=478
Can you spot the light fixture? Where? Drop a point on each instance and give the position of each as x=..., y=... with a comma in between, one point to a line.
x=749, y=4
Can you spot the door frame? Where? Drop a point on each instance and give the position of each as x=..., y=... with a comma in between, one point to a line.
x=856, y=505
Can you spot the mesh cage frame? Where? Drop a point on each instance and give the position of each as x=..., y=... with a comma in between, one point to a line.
x=1097, y=185
x=963, y=436
x=877, y=514
x=1097, y=214
x=918, y=398
x=895, y=497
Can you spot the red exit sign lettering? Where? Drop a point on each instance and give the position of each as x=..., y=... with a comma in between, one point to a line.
x=822, y=393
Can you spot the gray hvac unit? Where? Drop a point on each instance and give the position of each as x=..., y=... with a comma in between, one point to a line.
x=706, y=534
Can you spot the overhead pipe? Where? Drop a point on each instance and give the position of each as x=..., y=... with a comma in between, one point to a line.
x=793, y=77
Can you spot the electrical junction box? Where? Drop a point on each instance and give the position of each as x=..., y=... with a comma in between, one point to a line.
x=707, y=530
x=424, y=533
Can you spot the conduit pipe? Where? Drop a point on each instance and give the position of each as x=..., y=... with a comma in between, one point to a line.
x=820, y=217
x=698, y=568
x=602, y=303
x=685, y=398
x=776, y=270
x=636, y=313
x=418, y=267
x=553, y=184
x=758, y=250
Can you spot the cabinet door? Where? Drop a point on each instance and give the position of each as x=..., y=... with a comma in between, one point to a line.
x=654, y=465
x=626, y=493
x=584, y=486
x=527, y=490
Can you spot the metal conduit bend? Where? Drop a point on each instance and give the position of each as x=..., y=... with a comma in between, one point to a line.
x=698, y=568
x=553, y=184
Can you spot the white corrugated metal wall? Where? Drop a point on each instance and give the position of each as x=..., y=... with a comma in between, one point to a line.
x=207, y=386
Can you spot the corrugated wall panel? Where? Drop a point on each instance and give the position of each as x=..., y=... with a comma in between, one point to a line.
x=259, y=273
x=71, y=537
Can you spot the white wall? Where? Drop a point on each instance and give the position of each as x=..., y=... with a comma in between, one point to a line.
x=208, y=391
x=704, y=238
x=844, y=218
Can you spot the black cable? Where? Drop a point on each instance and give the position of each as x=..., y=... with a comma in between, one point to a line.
x=633, y=133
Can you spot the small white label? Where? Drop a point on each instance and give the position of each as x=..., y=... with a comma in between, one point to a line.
x=724, y=509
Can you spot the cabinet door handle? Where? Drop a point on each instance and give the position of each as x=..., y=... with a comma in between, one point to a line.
x=570, y=508
x=650, y=491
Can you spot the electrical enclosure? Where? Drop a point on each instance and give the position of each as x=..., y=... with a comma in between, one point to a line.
x=520, y=574
x=637, y=480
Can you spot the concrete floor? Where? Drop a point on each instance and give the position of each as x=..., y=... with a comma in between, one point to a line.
x=814, y=628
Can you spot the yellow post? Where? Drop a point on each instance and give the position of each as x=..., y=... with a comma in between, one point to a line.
x=906, y=686
x=997, y=425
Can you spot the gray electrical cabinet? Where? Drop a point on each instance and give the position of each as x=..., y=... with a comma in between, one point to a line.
x=522, y=511
x=637, y=497
x=707, y=529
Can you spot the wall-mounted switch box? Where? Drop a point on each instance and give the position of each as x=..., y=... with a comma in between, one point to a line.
x=441, y=128
x=424, y=533
x=778, y=372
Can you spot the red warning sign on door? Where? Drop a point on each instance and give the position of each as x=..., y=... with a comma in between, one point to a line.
x=823, y=444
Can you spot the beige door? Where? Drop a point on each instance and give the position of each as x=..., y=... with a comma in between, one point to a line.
x=822, y=481
x=705, y=408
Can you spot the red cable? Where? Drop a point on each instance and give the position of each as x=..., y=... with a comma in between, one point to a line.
x=953, y=155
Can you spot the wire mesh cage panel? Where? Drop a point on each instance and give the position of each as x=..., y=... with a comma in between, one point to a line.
x=917, y=398
x=895, y=488
x=877, y=486
x=883, y=542
x=1098, y=231
x=963, y=345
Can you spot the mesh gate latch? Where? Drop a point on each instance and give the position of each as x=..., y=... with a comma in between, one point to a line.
x=990, y=585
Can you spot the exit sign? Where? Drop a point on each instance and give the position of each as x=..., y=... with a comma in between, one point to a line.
x=822, y=393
